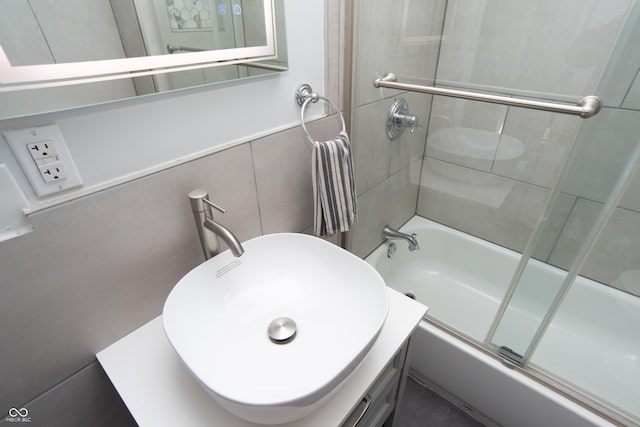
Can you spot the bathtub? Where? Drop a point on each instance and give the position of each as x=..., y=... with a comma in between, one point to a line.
x=462, y=279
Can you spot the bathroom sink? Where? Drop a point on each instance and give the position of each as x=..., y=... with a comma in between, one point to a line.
x=271, y=335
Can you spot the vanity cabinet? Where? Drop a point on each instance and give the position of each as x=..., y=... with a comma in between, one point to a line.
x=376, y=409
x=159, y=391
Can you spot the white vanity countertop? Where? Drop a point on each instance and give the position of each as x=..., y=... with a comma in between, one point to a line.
x=159, y=391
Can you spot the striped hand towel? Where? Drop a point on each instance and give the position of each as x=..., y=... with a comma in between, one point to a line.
x=334, y=191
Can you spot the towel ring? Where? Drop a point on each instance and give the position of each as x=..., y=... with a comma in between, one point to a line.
x=304, y=96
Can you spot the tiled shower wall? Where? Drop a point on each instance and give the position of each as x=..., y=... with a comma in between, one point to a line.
x=388, y=172
x=488, y=169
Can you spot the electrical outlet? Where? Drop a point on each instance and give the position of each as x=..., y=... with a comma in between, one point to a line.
x=43, y=150
x=52, y=172
x=44, y=158
x=48, y=161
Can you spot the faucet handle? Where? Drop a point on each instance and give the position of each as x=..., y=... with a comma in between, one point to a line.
x=198, y=197
x=399, y=118
x=213, y=205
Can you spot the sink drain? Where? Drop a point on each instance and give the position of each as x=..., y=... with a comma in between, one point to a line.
x=282, y=330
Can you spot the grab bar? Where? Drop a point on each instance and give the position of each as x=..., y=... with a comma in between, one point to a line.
x=587, y=107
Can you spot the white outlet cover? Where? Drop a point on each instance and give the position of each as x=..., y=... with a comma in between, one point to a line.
x=18, y=141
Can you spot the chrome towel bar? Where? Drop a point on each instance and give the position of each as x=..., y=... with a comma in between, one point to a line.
x=586, y=107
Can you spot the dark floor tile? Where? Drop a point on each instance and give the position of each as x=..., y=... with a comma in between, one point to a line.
x=422, y=407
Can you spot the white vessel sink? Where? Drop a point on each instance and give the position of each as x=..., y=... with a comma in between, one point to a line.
x=217, y=318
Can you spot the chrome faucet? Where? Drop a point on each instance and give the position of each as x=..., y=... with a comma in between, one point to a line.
x=389, y=233
x=201, y=208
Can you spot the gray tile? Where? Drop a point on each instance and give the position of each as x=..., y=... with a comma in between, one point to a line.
x=391, y=202
x=400, y=38
x=376, y=156
x=407, y=187
x=533, y=145
x=604, y=144
x=632, y=99
x=616, y=251
x=465, y=132
x=371, y=147
x=496, y=209
x=581, y=220
x=409, y=147
x=283, y=178
x=422, y=407
x=447, y=112
x=474, y=42
x=282, y=164
x=553, y=226
x=623, y=64
x=331, y=238
x=631, y=198
x=96, y=268
x=85, y=398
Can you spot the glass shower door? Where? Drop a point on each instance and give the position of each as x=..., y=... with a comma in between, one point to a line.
x=556, y=191
x=573, y=316
x=576, y=316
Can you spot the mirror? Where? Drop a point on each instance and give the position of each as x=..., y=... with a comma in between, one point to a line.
x=69, y=53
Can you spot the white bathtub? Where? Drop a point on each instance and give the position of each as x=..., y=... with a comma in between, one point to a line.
x=592, y=344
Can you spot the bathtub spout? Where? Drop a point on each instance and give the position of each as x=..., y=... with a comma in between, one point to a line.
x=389, y=233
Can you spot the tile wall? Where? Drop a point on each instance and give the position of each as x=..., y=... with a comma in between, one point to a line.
x=120, y=251
x=488, y=169
x=403, y=39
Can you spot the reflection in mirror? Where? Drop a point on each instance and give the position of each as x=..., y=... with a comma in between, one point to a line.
x=35, y=32
x=190, y=24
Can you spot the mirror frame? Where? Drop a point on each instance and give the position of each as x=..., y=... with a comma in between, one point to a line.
x=50, y=75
